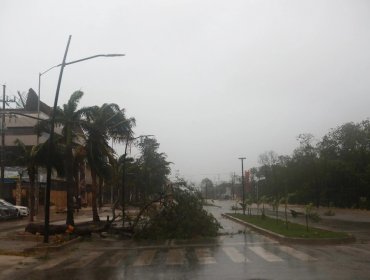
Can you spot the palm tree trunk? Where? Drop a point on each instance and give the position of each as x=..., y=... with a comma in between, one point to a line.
x=100, y=197
x=76, y=178
x=70, y=184
x=82, y=183
x=93, y=195
x=32, y=175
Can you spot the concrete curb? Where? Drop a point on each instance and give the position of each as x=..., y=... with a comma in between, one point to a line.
x=48, y=248
x=296, y=240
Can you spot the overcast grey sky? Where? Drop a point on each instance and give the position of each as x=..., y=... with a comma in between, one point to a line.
x=213, y=80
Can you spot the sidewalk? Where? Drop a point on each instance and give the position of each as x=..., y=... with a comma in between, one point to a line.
x=354, y=215
x=13, y=241
x=353, y=221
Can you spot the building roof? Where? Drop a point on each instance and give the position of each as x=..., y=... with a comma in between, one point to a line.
x=32, y=103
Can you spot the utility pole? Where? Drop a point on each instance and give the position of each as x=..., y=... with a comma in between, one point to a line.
x=206, y=190
x=232, y=186
x=2, y=151
x=123, y=195
x=50, y=149
x=3, y=145
x=242, y=159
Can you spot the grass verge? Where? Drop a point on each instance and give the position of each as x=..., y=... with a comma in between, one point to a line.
x=292, y=230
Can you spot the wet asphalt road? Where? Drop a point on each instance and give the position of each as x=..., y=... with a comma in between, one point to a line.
x=241, y=254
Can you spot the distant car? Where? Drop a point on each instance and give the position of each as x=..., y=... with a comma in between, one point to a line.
x=22, y=210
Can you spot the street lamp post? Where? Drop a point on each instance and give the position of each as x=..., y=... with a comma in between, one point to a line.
x=39, y=94
x=243, y=189
x=38, y=132
x=258, y=190
x=51, y=136
x=50, y=148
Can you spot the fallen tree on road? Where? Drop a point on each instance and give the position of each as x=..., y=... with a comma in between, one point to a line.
x=80, y=229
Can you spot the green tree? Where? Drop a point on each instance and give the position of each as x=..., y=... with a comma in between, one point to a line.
x=31, y=157
x=100, y=125
x=345, y=153
x=206, y=186
x=306, y=161
x=154, y=166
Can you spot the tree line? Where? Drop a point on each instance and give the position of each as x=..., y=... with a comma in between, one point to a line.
x=331, y=171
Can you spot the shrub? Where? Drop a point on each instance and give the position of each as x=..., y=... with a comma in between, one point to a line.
x=329, y=213
x=314, y=217
x=310, y=215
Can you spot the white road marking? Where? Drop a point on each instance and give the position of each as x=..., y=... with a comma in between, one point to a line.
x=204, y=256
x=119, y=276
x=297, y=254
x=85, y=260
x=50, y=264
x=173, y=245
x=175, y=257
x=145, y=258
x=355, y=249
x=115, y=260
x=15, y=263
x=235, y=255
x=270, y=257
x=6, y=260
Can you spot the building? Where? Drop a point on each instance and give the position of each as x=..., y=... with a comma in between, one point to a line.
x=20, y=123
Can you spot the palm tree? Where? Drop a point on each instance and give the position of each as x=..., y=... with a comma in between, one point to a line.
x=28, y=158
x=32, y=157
x=101, y=124
x=70, y=119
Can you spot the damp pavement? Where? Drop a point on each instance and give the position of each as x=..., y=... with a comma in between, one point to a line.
x=14, y=240
x=238, y=253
